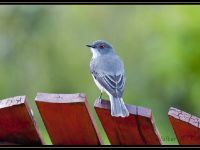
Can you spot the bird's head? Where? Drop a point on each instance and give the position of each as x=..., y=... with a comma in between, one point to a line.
x=100, y=47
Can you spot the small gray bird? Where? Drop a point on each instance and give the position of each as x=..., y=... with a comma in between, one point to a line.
x=108, y=72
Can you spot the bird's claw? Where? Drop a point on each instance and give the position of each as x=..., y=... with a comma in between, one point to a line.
x=100, y=100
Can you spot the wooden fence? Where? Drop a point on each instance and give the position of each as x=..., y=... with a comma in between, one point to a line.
x=69, y=121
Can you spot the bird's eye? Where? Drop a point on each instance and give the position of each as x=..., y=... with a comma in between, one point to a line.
x=101, y=46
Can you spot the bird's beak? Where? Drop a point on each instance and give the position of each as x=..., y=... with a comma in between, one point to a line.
x=90, y=46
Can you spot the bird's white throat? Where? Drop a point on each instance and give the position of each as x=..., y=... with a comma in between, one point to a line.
x=95, y=53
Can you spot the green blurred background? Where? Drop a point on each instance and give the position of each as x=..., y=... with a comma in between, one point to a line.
x=42, y=49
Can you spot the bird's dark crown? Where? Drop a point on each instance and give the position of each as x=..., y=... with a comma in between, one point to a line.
x=101, y=44
x=101, y=47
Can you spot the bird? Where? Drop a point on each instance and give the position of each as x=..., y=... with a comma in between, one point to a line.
x=107, y=70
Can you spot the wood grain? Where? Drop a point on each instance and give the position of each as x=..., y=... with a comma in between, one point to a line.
x=68, y=119
x=137, y=129
x=17, y=125
x=185, y=126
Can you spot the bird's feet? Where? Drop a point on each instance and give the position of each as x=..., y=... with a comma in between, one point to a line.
x=100, y=100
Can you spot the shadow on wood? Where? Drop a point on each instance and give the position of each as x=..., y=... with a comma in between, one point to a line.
x=17, y=125
x=185, y=126
x=68, y=119
x=137, y=129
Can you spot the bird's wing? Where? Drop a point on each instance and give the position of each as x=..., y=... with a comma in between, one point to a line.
x=114, y=84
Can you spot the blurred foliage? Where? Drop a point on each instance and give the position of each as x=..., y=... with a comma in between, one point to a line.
x=42, y=49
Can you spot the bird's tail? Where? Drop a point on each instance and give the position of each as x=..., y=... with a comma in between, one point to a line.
x=118, y=107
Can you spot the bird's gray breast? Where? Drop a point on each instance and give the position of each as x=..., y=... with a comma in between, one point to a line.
x=109, y=73
x=112, y=65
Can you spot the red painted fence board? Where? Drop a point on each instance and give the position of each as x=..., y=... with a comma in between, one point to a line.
x=17, y=125
x=68, y=119
x=185, y=126
x=137, y=129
